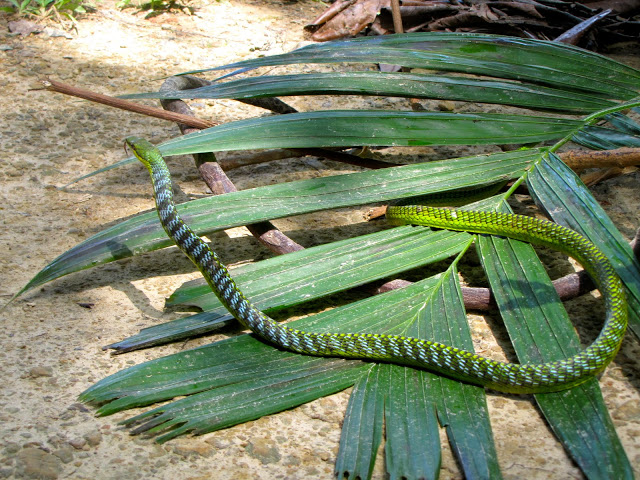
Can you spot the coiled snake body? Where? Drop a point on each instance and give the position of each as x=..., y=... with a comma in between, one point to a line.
x=453, y=362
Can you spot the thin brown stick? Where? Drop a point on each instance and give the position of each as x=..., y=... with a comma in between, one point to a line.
x=272, y=104
x=481, y=299
x=619, y=157
x=397, y=16
x=574, y=34
x=215, y=178
x=59, y=87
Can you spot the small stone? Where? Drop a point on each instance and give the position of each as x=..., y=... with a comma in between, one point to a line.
x=36, y=372
x=218, y=442
x=11, y=448
x=65, y=454
x=36, y=463
x=24, y=27
x=201, y=448
x=6, y=472
x=292, y=460
x=312, y=472
x=263, y=450
x=79, y=406
x=628, y=411
x=446, y=106
x=52, y=32
x=67, y=415
x=77, y=443
x=93, y=438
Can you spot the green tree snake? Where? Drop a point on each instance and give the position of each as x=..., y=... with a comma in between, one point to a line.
x=453, y=362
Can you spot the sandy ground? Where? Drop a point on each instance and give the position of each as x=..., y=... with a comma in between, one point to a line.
x=51, y=346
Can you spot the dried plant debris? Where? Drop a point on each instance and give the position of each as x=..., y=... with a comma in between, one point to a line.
x=590, y=25
x=346, y=18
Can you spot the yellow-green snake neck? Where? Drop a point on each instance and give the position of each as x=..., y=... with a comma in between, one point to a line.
x=450, y=361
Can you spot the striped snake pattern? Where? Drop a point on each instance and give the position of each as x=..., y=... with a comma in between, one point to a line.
x=450, y=361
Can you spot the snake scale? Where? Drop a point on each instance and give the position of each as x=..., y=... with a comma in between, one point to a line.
x=453, y=362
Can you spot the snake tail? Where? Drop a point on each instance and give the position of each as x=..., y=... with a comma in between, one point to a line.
x=450, y=361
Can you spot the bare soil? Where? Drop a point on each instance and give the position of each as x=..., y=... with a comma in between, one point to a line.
x=52, y=345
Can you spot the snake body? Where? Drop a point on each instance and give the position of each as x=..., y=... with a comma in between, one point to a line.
x=453, y=362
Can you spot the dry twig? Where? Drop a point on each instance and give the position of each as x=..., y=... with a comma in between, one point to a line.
x=59, y=87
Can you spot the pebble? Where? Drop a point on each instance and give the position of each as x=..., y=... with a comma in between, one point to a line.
x=77, y=443
x=93, y=438
x=36, y=463
x=36, y=372
x=200, y=448
x=263, y=450
x=446, y=106
x=628, y=412
x=11, y=448
x=6, y=472
x=65, y=454
x=218, y=443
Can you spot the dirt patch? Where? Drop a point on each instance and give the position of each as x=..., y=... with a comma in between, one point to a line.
x=52, y=343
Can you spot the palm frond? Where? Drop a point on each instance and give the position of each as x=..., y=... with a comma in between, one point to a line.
x=241, y=378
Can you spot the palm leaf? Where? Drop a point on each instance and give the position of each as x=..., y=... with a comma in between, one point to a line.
x=144, y=233
x=243, y=361
x=461, y=409
x=546, y=63
x=410, y=85
x=599, y=138
x=220, y=381
x=344, y=128
x=340, y=128
x=364, y=421
x=412, y=402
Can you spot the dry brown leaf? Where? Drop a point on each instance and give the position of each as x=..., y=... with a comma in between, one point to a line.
x=350, y=20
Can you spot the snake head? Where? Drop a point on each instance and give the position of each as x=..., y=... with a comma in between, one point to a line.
x=143, y=150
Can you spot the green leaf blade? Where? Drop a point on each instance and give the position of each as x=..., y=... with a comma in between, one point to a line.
x=461, y=408
x=601, y=138
x=538, y=61
x=362, y=429
x=224, y=407
x=144, y=233
x=413, y=440
x=241, y=358
x=339, y=128
x=332, y=267
x=411, y=85
x=597, y=433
